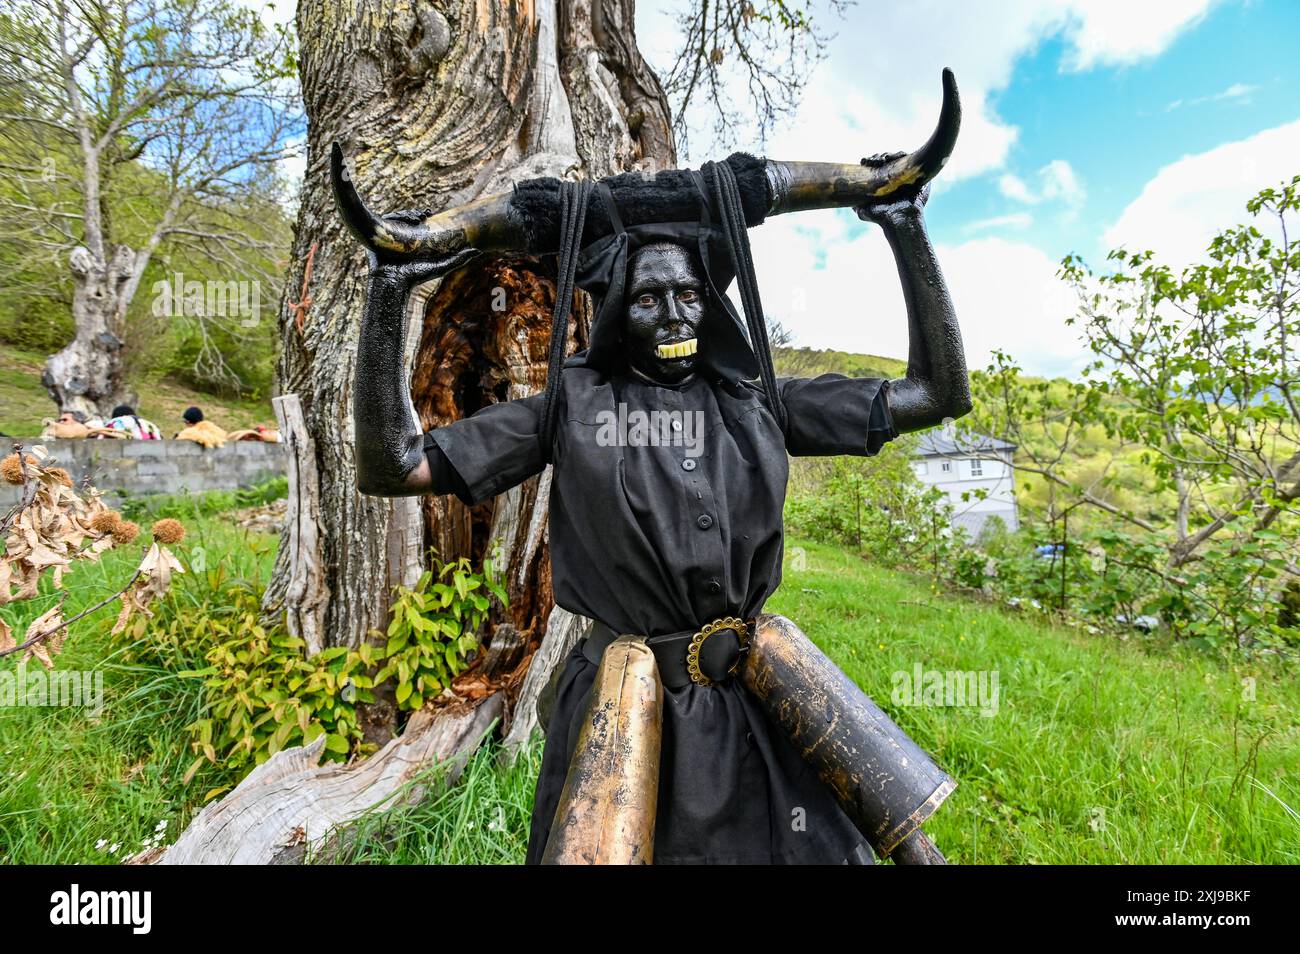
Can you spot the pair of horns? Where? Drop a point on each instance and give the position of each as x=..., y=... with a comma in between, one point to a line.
x=489, y=224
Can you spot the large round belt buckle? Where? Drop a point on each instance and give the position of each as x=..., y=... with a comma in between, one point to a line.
x=737, y=626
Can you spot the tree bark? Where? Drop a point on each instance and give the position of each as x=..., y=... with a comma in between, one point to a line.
x=436, y=104
x=86, y=375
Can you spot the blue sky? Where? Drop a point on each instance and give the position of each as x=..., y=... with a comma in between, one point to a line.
x=1232, y=75
x=1087, y=124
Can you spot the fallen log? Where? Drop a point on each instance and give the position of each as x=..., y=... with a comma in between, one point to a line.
x=289, y=803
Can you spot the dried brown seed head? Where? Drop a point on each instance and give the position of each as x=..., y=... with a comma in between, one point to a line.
x=11, y=469
x=168, y=531
x=105, y=521
x=125, y=532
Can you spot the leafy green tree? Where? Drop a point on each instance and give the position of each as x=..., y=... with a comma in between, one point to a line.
x=133, y=131
x=1195, y=376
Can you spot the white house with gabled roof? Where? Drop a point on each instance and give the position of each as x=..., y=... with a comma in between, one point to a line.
x=960, y=463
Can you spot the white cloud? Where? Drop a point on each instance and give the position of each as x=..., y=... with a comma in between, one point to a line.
x=1188, y=201
x=837, y=289
x=1014, y=187
x=1008, y=297
x=1123, y=32
x=1013, y=220
x=1237, y=93
x=1056, y=181
x=1060, y=182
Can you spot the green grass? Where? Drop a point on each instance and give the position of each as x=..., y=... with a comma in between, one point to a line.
x=484, y=819
x=185, y=506
x=69, y=780
x=1101, y=751
x=1155, y=740
x=24, y=402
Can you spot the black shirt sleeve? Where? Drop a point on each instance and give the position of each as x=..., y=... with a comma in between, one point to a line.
x=445, y=478
x=832, y=414
x=488, y=452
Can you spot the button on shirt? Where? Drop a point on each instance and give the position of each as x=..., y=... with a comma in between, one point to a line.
x=666, y=501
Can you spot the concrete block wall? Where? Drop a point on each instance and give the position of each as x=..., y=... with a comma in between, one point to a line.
x=137, y=468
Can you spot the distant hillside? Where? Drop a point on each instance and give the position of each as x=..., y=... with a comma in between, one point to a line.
x=807, y=362
x=24, y=404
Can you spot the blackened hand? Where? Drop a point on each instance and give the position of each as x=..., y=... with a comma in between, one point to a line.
x=407, y=274
x=895, y=208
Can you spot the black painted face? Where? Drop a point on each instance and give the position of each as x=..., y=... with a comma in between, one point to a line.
x=665, y=305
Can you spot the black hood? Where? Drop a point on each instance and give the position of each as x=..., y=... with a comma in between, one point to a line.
x=724, y=347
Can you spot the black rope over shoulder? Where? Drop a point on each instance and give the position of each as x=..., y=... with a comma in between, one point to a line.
x=727, y=196
x=573, y=213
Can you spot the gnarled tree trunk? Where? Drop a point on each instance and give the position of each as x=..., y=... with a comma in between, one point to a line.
x=86, y=375
x=436, y=104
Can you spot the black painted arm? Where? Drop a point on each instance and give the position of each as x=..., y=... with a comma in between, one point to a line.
x=937, y=385
x=388, y=445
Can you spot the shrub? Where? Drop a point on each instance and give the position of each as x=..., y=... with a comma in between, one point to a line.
x=434, y=629
x=262, y=693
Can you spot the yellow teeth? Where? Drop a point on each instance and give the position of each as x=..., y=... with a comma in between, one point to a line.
x=679, y=349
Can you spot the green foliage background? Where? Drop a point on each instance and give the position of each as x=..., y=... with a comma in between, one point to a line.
x=36, y=288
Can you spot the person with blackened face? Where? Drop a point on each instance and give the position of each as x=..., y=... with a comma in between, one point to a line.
x=655, y=537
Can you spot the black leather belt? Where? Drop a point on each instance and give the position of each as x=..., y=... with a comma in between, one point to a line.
x=703, y=657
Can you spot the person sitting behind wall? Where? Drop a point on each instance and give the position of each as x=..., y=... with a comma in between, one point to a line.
x=199, y=430
x=80, y=417
x=71, y=425
x=126, y=420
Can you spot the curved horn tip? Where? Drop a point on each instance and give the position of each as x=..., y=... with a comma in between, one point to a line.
x=360, y=221
x=934, y=154
x=338, y=163
x=951, y=96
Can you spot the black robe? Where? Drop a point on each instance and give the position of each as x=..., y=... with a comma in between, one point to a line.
x=664, y=538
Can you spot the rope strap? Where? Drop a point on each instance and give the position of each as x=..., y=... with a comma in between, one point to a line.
x=727, y=195
x=573, y=213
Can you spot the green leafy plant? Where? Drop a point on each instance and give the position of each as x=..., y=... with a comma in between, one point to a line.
x=263, y=693
x=875, y=505
x=435, y=629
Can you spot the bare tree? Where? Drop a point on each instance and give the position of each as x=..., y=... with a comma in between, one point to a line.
x=769, y=46
x=154, y=123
